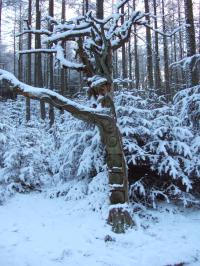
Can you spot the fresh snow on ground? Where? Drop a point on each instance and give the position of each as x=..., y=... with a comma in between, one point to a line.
x=37, y=230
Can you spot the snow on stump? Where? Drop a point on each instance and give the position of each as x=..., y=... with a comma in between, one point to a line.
x=120, y=220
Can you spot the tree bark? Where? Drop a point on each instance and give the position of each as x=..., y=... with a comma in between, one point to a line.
x=137, y=74
x=38, y=78
x=199, y=27
x=157, y=77
x=50, y=66
x=63, y=18
x=149, y=49
x=20, y=66
x=1, y=6
x=174, y=58
x=124, y=59
x=99, y=9
x=190, y=32
x=14, y=44
x=85, y=6
x=28, y=102
x=180, y=32
x=166, y=56
x=191, y=75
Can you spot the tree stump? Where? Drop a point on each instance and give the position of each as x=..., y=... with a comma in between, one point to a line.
x=120, y=220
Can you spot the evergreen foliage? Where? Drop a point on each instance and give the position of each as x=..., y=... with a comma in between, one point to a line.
x=161, y=144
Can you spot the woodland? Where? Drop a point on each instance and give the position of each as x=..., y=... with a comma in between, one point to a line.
x=100, y=116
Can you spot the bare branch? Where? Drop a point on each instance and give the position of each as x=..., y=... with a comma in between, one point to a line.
x=33, y=31
x=120, y=5
x=144, y=23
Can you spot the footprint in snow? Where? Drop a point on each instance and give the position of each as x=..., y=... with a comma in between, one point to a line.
x=65, y=253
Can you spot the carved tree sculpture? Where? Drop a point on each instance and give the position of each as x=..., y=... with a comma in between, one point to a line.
x=95, y=41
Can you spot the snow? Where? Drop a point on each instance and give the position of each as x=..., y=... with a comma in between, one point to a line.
x=63, y=61
x=183, y=63
x=97, y=81
x=34, y=31
x=67, y=34
x=36, y=230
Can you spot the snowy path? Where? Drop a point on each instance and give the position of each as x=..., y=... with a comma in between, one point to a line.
x=39, y=231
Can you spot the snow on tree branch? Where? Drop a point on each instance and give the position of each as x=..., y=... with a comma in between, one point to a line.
x=34, y=31
x=35, y=51
x=121, y=4
x=87, y=114
x=60, y=56
x=67, y=35
x=95, y=40
x=192, y=61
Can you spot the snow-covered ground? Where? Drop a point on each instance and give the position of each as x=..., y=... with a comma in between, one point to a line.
x=36, y=230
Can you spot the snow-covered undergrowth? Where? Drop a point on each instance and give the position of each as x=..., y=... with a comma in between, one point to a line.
x=67, y=160
x=161, y=144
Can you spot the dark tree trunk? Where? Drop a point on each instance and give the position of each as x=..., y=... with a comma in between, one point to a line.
x=99, y=9
x=14, y=44
x=85, y=6
x=199, y=27
x=20, y=62
x=38, y=79
x=124, y=59
x=28, y=103
x=190, y=32
x=157, y=78
x=137, y=74
x=63, y=17
x=1, y=5
x=149, y=49
x=180, y=45
x=180, y=32
x=130, y=60
x=50, y=66
x=174, y=57
x=191, y=76
x=166, y=56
